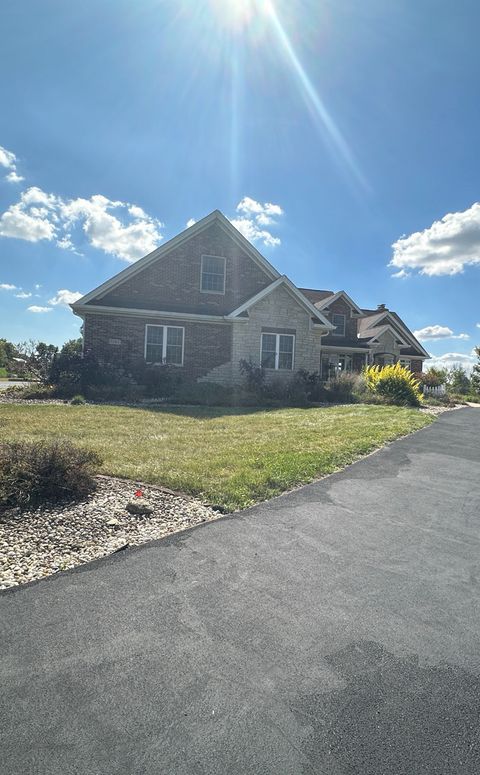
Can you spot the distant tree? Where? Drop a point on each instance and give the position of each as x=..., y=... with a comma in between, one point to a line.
x=458, y=381
x=475, y=378
x=7, y=353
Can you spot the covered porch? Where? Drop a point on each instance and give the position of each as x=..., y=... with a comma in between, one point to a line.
x=337, y=360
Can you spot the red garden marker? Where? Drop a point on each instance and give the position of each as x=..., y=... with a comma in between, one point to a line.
x=138, y=494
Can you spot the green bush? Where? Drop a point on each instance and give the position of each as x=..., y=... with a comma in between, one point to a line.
x=395, y=383
x=159, y=380
x=77, y=400
x=254, y=376
x=37, y=473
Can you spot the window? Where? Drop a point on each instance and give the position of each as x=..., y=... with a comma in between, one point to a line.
x=406, y=362
x=213, y=274
x=164, y=344
x=277, y=351
x=339, y=323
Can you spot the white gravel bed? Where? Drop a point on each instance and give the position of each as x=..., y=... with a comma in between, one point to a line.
x=440, y=409
x=35, y=544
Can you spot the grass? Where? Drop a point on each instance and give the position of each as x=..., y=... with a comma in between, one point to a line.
x=3, y=372
x=229, y=457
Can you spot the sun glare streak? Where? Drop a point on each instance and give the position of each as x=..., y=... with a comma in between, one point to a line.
x=312, y=98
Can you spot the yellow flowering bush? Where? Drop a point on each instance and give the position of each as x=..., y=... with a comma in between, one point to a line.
x=394, y=383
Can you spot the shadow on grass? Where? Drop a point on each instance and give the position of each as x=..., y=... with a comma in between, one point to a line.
x=208, y=412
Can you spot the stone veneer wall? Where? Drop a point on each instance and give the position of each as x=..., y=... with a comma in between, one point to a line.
x=279, y=310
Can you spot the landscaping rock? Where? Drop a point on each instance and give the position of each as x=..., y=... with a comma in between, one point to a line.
x=139, y=506
x=40, y=542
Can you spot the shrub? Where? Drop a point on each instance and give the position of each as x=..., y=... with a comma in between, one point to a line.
x=32, y=392
x=431, y=378
x=396, y=384
x=254, y=376
x=37, y=473
x=159, y=381
x=77, y=400
x=314, y=386
x=341, y=389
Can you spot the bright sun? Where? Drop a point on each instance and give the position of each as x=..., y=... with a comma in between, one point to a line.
x=238, y=14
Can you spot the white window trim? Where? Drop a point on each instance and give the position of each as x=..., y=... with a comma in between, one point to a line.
x=164, y=343
x=202, y=290
x=277, y=350
x=335, y=332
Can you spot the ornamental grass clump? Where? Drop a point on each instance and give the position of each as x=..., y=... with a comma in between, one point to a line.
x=37, y=473
x=395, y=384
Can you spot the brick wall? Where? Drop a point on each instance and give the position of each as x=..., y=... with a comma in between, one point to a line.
x=206, y=345
x=340, y=307
x=416, y=365
x=173, y=282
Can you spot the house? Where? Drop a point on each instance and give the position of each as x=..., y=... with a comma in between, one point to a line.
x=207, y=299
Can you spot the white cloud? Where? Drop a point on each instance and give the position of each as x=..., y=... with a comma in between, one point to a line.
x=190, y=222
x=7, y=287
x=7, y=158
x=444, y=248
x=478, y=325
x=42, y=216
x=438, y=332
x=14, y=177
x=9, y=161
x=64, y=298
x=34, y=308
x=253, y=217
x=448, y=360
x=23, y=295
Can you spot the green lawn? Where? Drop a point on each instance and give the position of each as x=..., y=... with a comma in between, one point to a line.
x=230, y=457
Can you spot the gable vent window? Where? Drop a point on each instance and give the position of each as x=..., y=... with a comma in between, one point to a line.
x=339, y=323
x=164, y=344
x=277, y=351
x=213, y=274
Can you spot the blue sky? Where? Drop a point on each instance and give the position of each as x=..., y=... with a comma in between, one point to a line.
x=340, y=128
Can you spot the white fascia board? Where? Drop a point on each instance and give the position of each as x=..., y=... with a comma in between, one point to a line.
x=293, y=290
x=185, y=235
x=339, y=349
x=325, y=303
x=89, y=309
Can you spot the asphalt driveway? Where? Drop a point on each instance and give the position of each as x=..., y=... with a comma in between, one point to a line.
x=335, y=630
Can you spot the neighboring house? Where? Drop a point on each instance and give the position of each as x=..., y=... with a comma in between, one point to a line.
x=207, y=299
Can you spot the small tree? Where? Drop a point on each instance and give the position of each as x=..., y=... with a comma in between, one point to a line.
x=458, y=381
x=7, y=354
x=434, y=377
x=37, y=359
x=475, y=378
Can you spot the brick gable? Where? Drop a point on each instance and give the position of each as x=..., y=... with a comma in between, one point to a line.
x=172, y=283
